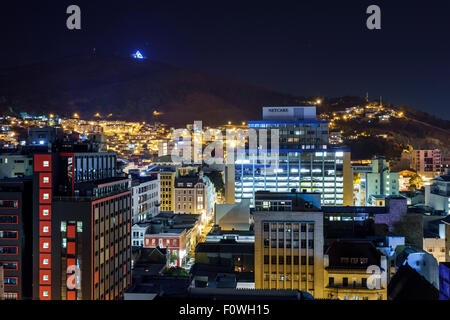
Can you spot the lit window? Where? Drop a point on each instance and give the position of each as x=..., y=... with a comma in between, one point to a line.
x=45, y=229
x=46, y=196
x=45, y=261
x=45, y=293
x=45, y=245
x=45, y=164
x=45, y=277
x=45, y=212
x=45, y=180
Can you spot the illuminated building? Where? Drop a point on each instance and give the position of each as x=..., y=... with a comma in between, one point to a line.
x=145, y=201
x=175, y=232
x=14, y=165
x=346, y=271
x=167, y=181
x=289, y=242
x=427, y=163
x=305, y=160
x=437, y=195
x=16, y=237
x=81, y=228
x=374, y=181
x=194, y=195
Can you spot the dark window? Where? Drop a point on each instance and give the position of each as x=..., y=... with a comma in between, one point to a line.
x=8, y=219
x=266, y=259
x=345, y=282
x=274, y=260
x=9, y=204
x=331, y=281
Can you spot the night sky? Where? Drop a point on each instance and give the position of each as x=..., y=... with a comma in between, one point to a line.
x=300, y=47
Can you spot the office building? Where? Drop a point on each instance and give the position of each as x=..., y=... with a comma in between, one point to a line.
x=289, y=243
x=16, y=237
x=81, y=227
x=306, y=161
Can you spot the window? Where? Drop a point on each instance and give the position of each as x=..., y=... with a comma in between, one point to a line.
x=45, y=277
x=45, y=245
x=331, y=281
x=45, y=212
x=45, y=229
x=45, y=180
x=45, y=196
x=8, y=219
x=364, y=282
x=45, y=164
x=45, y=293
x=9, y=204
x=45, y=261
x=345, y=282
x=8, y=250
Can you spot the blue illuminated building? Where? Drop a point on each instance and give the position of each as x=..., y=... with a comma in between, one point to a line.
x=306, y=162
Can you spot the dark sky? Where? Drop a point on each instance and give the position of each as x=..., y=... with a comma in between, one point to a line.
x=301, y=47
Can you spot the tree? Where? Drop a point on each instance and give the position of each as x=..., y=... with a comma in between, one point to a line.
x=415, y=182
x=217, y=180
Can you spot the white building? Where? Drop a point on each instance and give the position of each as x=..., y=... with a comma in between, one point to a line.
x=138, y=232
x=437, y=195
x=146, y=197
x=15, y=165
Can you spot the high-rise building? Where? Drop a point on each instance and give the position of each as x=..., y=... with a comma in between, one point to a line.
x=16, y=237
x=426, y=162
x=289, y=242
x=81, y=227
x=306, y=161
x=167, y=185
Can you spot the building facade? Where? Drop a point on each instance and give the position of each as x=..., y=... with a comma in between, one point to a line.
x=426, y=162
x=16, y=165
x=194, y=195
x=146, y=197
x=82, y=227
x=437, y=195
x=16, y=237
x=289, y=248
x=167, y=184
x=355, y=270
x=374, y=181
x=306, y=162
